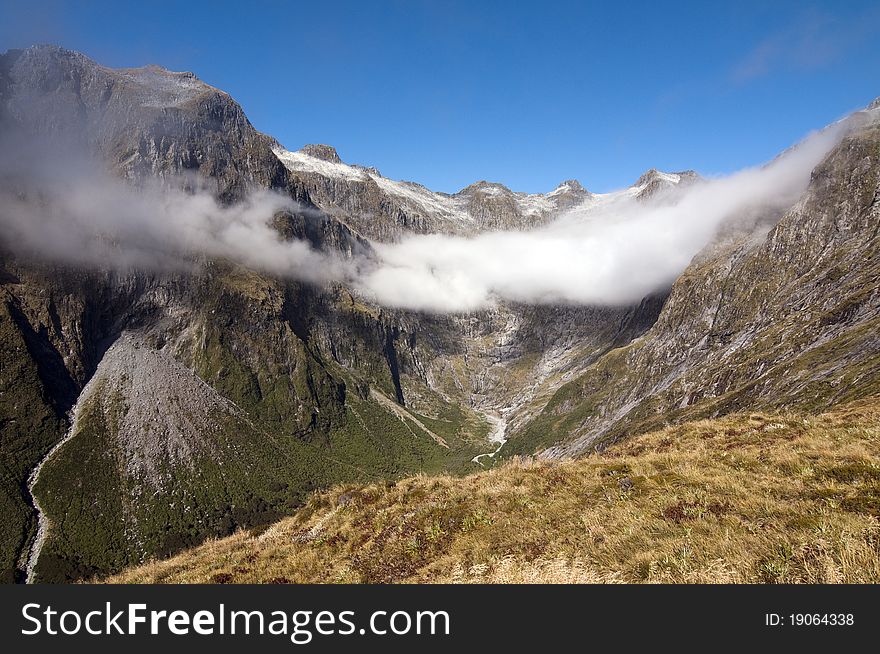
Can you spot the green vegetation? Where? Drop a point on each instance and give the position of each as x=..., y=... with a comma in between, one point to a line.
x=107, y=519
x=82, y=491
x=387, y=446
x=29, y=427
x=570, y=407
x=297, y=422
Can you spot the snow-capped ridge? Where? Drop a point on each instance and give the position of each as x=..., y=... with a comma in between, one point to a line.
x=473, y=209
x=321, y=151
x=303, y=162
x=568, y=186
x=652, y=175
x=487, y=188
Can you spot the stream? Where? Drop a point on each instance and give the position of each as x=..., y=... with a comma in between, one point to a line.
x=497, y=435
x=42, y=521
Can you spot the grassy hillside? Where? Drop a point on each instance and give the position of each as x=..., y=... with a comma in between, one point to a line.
x=746, y=498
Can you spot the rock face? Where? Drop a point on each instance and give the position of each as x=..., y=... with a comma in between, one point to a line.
x=146, y=121
x=654, y=182
x=322, y=152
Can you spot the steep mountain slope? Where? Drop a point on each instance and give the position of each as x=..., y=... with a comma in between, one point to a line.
x=237, y=332
x=749, y=498
x=157, y=459
x=783, y=318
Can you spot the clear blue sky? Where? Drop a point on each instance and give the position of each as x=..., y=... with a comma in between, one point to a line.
x=527, y=94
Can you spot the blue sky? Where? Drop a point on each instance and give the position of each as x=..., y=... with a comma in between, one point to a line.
x=527, y=94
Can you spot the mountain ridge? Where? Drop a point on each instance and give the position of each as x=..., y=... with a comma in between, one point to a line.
x=350, y=191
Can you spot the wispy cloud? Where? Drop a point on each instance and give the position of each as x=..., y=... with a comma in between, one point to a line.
x=58, y=204
x=812, y=42
x=615, y=253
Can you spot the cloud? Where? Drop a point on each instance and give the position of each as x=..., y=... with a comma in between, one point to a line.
x=811, y=42
x=55, y=206
x=611, y=255
x=59, y=205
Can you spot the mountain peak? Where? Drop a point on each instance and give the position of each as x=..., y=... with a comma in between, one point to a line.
x=50, y=48
x=648, y=176
x=45, y=52
x=569, y=186
x=484, y=187
x=654, y=176
x=321, y=151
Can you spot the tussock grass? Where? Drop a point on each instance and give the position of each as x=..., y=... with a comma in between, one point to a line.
x=751, y=498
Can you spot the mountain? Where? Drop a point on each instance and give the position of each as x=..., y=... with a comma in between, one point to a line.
x=145, y=121
x=145, y=410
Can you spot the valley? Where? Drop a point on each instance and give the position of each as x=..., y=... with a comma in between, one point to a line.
x=748, y=498
x=147, y=410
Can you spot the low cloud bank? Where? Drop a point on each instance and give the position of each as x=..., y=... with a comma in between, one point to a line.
x=610, y=253
x=62, y=207
x=614, y=253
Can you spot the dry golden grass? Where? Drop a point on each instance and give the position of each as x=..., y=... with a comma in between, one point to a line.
x=741, y=499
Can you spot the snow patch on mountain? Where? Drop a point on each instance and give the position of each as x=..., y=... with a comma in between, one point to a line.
x=302, y=162
x=480, y=207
